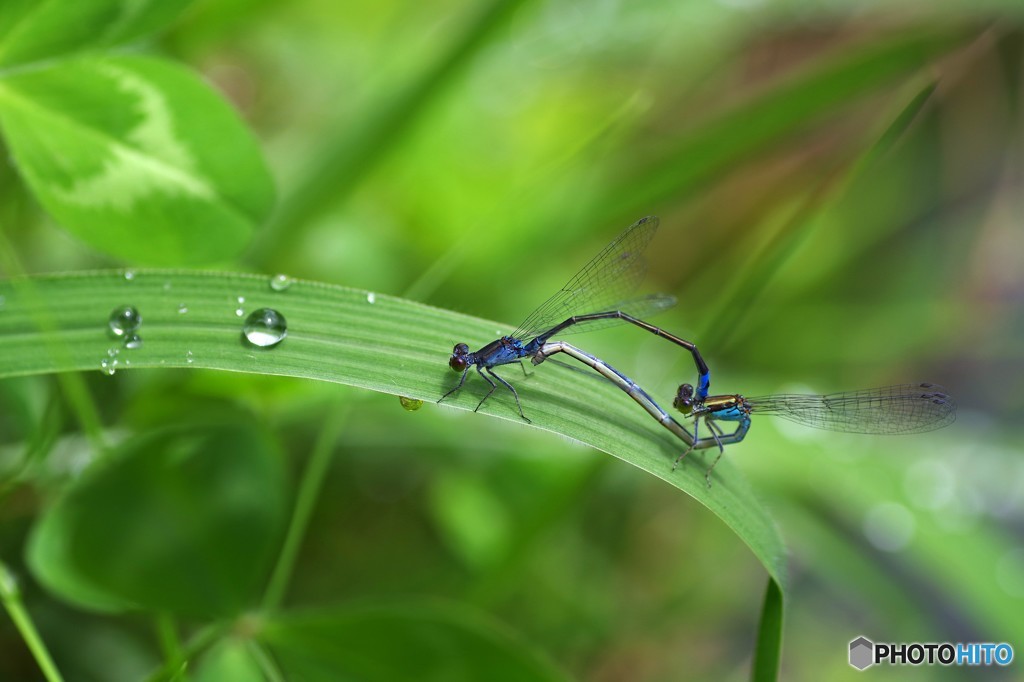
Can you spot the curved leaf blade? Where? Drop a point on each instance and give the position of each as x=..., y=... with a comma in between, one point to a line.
x=347, y=336
x=137, y=157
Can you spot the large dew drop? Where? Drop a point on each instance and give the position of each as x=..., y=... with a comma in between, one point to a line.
x=124, y=319
x=265, y=328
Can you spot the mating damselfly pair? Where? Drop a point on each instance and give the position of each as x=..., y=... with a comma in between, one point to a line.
x=598, y=296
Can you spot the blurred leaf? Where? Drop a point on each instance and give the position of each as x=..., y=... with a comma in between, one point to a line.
x=769, y=118
x=350, y=157
x=353, y=337
x=30, y=414
x=424, y=642
x=137, y=157
x=738, y=297
x=182, y=520
x=31, y=30
x=49, y=557
x=230, y=659
x=931, y=557
x=475, y=523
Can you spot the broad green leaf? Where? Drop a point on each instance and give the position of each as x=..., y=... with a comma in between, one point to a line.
x=182, y=520
x=49, y=557
x=427, y=642
x=31, y=30
x=137, y=157
x=353, y=337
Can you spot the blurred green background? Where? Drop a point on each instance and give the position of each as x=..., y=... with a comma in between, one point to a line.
x=840, y=193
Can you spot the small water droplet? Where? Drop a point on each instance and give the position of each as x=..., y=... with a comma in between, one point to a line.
x=112, y=352
x=188, y=357
x=129, y=275
x=410, y=404
x=124, y=319
x=280, y=282
x=371, y=298
x=241, y=300
x=265, y=328
x=108, y=366
x=239, y=312
x=182, y=308
x=132, y=341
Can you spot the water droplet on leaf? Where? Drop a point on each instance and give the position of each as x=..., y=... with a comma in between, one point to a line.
x=265, y=328
x=124, y=319
x=280, y=282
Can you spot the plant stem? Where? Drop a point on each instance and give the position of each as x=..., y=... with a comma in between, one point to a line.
x=309, y=491
x=192, y=648
x=170, y=645
x=266, y=663
x=10, y=595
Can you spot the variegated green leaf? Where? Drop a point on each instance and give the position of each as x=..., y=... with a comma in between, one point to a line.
x=137, y=157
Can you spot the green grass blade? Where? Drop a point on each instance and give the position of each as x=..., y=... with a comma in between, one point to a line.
x=360, y=147
x=769, y=636
x=348, y=336
x=768, y=119
x=740, y=296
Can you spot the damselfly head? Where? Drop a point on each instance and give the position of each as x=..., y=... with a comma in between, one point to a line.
x=684, y=399
x=459, y=360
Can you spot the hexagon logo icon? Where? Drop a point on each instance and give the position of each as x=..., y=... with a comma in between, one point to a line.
x=861, y=653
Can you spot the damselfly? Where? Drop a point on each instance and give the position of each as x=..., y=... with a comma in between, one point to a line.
x=593, y=296
x=899, y=409
x=887, y=410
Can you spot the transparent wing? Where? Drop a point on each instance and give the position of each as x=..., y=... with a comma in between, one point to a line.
x=602, y=284
x=905, y=408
